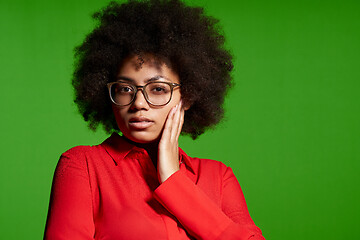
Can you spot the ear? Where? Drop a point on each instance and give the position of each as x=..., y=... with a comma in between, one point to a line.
x=186, y=105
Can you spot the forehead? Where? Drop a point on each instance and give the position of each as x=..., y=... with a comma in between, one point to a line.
x=141, y=69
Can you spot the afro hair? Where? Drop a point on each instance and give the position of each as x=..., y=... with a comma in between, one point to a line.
x=182, y=35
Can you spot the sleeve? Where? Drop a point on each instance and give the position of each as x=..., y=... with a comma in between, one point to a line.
x=201, y=217
x=70, y=209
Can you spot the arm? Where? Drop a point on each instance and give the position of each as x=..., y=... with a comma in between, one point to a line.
x=70, y=210
x=201, y=217
x=234, y=205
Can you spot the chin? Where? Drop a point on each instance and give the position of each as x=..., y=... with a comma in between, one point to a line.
x=142, y=137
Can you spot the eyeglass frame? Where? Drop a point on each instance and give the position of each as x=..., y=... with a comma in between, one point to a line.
x=172, y=86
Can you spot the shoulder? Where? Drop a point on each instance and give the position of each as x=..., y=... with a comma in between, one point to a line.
x=78, y=151
x=208, y=162
x=76, y=159
x=209, y=166
x=198, y=164
x=211, y=176
x=81, y=153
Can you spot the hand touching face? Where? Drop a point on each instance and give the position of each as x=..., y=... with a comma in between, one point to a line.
x=168, y=154
x=140, y=121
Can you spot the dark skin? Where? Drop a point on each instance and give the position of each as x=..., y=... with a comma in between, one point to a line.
x=164, y=151
x=153, y=128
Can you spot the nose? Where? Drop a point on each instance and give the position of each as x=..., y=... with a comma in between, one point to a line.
x=140, y=101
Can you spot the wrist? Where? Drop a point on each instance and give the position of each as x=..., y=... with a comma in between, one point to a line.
x=164, y=175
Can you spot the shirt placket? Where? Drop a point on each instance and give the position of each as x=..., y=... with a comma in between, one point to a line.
x=150, y=174
x=148, y=169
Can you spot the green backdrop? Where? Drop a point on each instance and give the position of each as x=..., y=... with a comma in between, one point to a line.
x=291, y=132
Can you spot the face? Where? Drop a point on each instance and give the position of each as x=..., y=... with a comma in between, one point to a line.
x=141, y=122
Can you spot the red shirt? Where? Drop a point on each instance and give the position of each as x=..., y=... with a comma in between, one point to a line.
x=111, y=191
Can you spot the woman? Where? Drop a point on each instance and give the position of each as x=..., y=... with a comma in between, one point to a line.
x=150, y=70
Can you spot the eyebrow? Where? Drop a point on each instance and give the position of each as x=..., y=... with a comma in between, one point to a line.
x=146, y=81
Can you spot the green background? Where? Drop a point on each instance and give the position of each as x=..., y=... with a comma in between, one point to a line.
x=291, y=132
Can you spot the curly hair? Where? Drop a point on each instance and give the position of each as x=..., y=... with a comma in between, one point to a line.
x=184, y=36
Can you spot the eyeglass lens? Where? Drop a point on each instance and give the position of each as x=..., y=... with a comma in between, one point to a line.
x=157, y=93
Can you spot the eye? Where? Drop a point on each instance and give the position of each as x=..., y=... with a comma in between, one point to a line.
x=125, y=89
x=158, y=88
x=121, y=88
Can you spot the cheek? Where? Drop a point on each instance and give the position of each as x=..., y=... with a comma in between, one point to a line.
x=174, y=101
x=119, y=116
x=163, y=114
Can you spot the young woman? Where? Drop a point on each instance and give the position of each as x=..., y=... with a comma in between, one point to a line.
x=150, y=71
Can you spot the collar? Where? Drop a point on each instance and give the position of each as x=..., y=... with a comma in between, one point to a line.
x=118, y=148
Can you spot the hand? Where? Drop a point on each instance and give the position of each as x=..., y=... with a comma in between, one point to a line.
x=168, y=155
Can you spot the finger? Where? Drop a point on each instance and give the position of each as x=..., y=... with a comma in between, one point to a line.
x=168, y=124
x=176, y=122
x=181, y=123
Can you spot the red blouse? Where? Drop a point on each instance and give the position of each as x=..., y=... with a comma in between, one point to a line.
x=111, y=191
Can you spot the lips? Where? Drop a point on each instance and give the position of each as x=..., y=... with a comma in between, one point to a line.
x=140, y=123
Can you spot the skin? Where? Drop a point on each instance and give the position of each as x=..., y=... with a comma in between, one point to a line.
x=154, y=128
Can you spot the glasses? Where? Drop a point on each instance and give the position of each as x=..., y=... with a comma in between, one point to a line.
x=155, y=93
